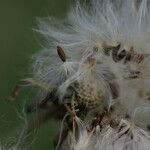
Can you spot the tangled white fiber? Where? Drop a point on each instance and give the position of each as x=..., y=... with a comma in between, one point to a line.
x=95, y=65
x=104, y=45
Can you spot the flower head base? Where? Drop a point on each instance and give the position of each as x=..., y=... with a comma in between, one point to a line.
x=89, y=95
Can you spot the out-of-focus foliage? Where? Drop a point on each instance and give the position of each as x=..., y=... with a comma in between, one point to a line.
x=17, y=43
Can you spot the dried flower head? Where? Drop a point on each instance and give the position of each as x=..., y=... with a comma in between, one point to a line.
x=98, y=64
x=109, y=41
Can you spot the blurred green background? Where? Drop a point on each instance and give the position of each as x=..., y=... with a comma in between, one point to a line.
x=17, y=44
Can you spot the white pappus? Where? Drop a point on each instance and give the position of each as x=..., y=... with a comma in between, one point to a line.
x=106, y=44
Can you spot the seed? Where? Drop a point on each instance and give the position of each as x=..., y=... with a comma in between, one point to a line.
x=61, y=54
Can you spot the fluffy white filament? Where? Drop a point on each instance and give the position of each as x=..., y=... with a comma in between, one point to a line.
x=129, y=137
x=88, y=30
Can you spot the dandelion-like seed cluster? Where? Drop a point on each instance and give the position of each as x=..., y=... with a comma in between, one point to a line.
x=97, y=62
